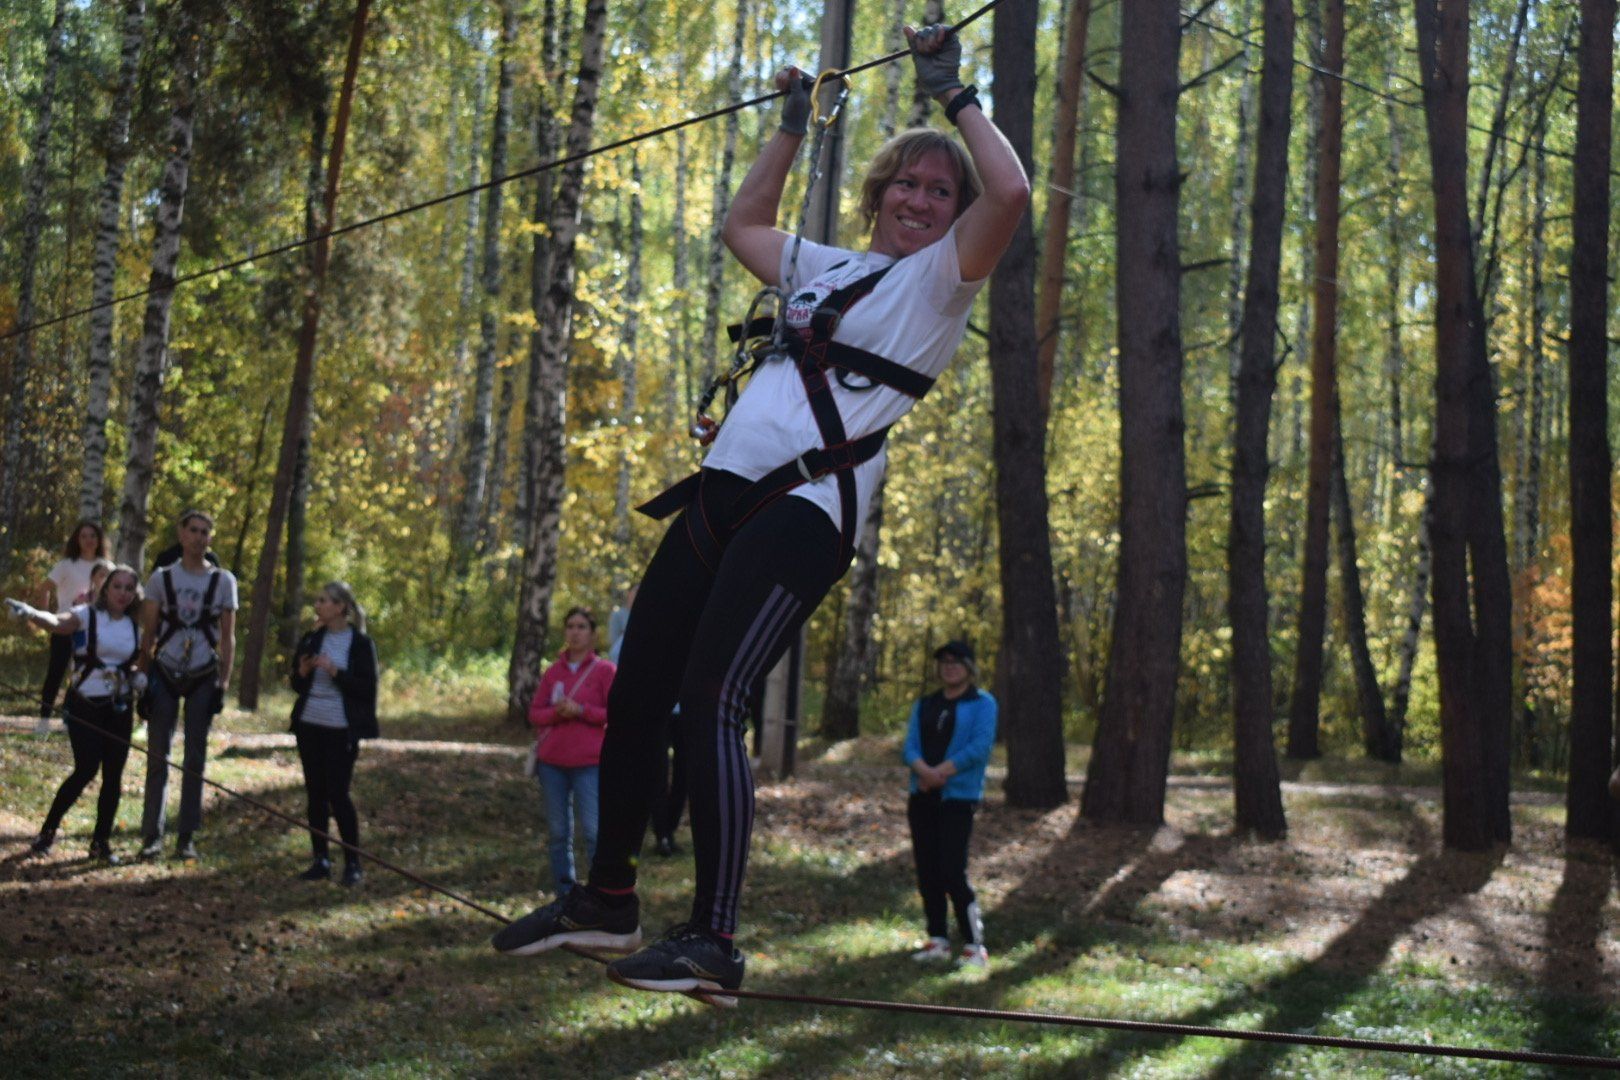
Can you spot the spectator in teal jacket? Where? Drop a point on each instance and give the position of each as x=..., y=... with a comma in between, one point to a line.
x=947, y=746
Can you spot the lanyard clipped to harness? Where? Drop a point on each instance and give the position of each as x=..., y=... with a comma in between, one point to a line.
x=753, y=346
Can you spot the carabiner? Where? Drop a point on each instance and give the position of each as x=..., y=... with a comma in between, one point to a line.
x=831, y=116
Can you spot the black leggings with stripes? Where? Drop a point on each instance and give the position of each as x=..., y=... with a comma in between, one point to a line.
x=704, y=637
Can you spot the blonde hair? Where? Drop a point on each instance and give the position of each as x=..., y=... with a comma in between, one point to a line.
x=340, y=591
x=906, y=149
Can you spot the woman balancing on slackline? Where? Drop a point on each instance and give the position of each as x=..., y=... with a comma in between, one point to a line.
x=756, y=546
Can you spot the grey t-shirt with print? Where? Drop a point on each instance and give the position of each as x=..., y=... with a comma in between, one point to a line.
x=187, y=649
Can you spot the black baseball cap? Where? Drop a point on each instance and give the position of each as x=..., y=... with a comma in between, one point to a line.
x=959, y=650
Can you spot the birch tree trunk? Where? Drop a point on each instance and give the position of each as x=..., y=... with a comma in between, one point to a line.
x=1131, y=757
x=546, y=414
x=33, y=227
x=1591, y=469
x=1256, y=782
x=464, y=297
x=1304, y=706
x=300, y=392
x=152, y=358
x=630, y=388
x=1240, y=191
x=547, y=136
x=715, y=276
x=104, y=267
x=480, y=427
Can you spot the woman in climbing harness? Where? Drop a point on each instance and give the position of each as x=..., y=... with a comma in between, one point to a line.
x=67, y=582
x=335, y=675
x=99, y=711
x=769, y=523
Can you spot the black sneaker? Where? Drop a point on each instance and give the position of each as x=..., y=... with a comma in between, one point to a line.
x=319, y=870
x=42, y=844
x=352, y=873
x=101, y=851
x=152, y=848
x=686, y=959
x=665, y=846
x=186, y=851
x=580, y=917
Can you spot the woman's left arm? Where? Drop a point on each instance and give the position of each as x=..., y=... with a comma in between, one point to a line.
x=362, y=669
x=986, y=228
x=975, y=748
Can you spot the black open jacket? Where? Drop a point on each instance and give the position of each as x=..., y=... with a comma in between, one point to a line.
x=357, y=684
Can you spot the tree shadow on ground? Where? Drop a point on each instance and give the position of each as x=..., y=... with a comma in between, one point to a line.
x=1314, y=989
x=1574, y=960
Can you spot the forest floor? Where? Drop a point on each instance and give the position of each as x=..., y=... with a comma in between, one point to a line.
x=1357, y=925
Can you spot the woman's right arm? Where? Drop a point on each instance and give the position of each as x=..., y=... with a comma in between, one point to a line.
x=750, y=230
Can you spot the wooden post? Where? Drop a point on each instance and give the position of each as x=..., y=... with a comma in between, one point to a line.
x=784, y=686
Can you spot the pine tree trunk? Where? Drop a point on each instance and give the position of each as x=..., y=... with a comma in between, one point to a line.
x=152, y=358
x=1591, y=471
x=841, y=707
x=1304, y=706
x=453, y=426
x=1131, y=758
x=1374, y=725
x=104, y=267
x=295, y=429
x=1030, y=666
x=1060, y=201
x=1256, y=783
x=1472, y=714
x=480, y=428
x=545, y=416
x=22, y=346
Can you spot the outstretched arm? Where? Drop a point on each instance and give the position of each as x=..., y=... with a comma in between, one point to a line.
x=750, y=228
x=985, y=228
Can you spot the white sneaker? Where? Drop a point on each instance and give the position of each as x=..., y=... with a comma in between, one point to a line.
x=974, y=956
x=937, y=949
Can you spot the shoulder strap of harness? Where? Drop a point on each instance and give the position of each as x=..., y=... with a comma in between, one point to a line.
x=205, y=614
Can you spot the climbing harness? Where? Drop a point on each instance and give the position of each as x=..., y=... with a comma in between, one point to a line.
x=817, y=357
x=90, y=660
x=184, y=680
x=753, y=347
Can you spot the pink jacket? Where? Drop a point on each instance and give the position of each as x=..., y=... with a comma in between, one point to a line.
x=570, y=742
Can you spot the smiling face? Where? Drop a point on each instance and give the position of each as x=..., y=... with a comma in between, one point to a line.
x=917, y=206
x=119, y=592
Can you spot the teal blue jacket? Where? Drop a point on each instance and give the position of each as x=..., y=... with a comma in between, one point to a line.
x=969, y=749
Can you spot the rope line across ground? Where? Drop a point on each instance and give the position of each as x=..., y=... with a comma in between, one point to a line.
x=1149, y=1027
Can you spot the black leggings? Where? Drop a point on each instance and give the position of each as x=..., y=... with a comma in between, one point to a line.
x=705, y=637
x=93, y=752
x=328, y=756
x=55, y=669
x=940, y=830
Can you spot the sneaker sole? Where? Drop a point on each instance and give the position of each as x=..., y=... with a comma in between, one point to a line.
x=583, y=939
x=704, y=990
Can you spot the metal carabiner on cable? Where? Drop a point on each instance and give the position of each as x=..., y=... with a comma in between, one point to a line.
x=831, y=116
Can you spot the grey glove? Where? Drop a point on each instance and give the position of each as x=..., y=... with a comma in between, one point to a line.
x=796, y=105
x=938, y=70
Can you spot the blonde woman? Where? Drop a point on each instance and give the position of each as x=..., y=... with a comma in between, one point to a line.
x=335, y=675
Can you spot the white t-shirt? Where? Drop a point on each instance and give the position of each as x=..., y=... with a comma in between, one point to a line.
x=188, y=650
x=70, y=578
x=115, y=644
x=916, y=316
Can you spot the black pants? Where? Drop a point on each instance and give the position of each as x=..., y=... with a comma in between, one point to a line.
x=669, y=801
x=940, y=830
x=93, y=752
x=705, y=637
x=328, y=756
x=55, y=670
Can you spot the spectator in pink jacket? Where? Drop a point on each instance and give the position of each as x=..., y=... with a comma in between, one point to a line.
x=569, y=714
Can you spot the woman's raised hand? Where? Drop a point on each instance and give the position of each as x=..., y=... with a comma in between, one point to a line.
x=936, y=53
x=797, y=105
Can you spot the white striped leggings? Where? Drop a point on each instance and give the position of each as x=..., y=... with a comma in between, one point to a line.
x=704, y=637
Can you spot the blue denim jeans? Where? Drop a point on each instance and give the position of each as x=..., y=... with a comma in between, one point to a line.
x=569, y=795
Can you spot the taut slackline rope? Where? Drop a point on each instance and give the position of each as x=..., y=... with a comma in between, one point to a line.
x=399, y=212
x=1146, y=1027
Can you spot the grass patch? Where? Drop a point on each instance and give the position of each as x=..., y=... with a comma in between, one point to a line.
x=1357, y=926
